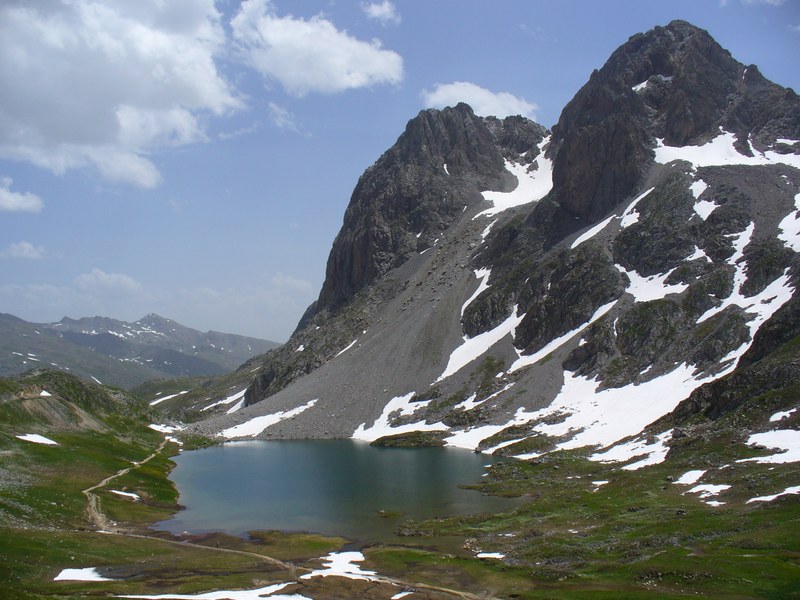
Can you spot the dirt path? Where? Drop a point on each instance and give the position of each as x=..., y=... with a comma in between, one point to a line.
x=93, y=506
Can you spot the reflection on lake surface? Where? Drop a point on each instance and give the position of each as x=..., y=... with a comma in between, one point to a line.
x=335, y=487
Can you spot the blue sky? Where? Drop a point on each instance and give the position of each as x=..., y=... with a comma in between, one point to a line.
x=194, y=158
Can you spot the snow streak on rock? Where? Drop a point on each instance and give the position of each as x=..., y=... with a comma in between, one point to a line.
x=532, y=185
x=256, y=425
x=401, y=405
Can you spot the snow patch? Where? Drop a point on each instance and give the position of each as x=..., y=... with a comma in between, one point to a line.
x=45, y=394
x=698, y=187
x=602, y=418
x=531, y=185
x=790, y=490
x=85, y=574
x=780, y=416
x=342, y=564
x=690, y=477
x=403, y=406
x=230, y=399
x=654, y=453
x=709, y=490
x=37, y=439
x=495, y=555
x=170, y=397
x=130, y=495
x=645, y=289
x=350, y=345
x=258, y=424
x=592, y=232
x=631, y=215
x=790, y=227
x=483, y=284
x=525, y=361
x=166, y=428
x=785, y=440
x=721, y=151
x=474, y=347
x=256, y=594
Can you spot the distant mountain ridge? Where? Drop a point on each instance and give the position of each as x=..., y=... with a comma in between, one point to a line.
x=120, y=353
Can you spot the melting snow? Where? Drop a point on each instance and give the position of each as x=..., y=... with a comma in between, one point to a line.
x=631, y=215
x=381, y=427
x=166, y=428
x=350, y=345
x=704, y=208
x=690, y=477
x=236, y=407
x=780, y=416
x=130, y=495
x=496, y=555
x=604, y=417
x=483, y=284
x=720, y=151
x=790, y=227
x=790, y=490
x=645, y=289
x=654, y=453
x=785, y=440
x=474, y=347
x=592, y=232
x=698, y=187
x=697, y=255
x=709, y=490
x=86, y=574
x=45, y=394
x=532, y=185
x=342, y=564
x=258, y=424
x=37, y=439
x=170, y=397
x=628, y=218
x=300, y=348
x=257, y=594
x=230, y=399
x=524, y=361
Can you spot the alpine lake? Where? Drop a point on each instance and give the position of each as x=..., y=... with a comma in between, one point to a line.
x=331, y=487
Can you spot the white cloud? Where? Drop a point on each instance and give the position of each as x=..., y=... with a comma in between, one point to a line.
x=100, y=282
x=484, y=102
x=794, y=28
x=307, y=56
x=385, y=11
x=24, y=250
x=104, y=83
x=769, y=2
x=282, y=117
x=17, y=201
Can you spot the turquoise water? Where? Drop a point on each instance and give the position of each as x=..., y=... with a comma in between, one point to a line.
x=334, y=487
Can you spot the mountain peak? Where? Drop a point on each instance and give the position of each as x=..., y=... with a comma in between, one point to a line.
x=403, y=203
x=673, y=83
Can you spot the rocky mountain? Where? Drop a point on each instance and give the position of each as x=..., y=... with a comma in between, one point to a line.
x=120, y=353
x=603, y=285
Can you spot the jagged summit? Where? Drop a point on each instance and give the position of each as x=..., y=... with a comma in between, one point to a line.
x=500, y=288
x=403, y=203
x=674, y=83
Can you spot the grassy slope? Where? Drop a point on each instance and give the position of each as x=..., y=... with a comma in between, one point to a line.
x=640, y=535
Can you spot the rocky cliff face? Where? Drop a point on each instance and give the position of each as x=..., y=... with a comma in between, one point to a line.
x=500, y=287
x=412, y=194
